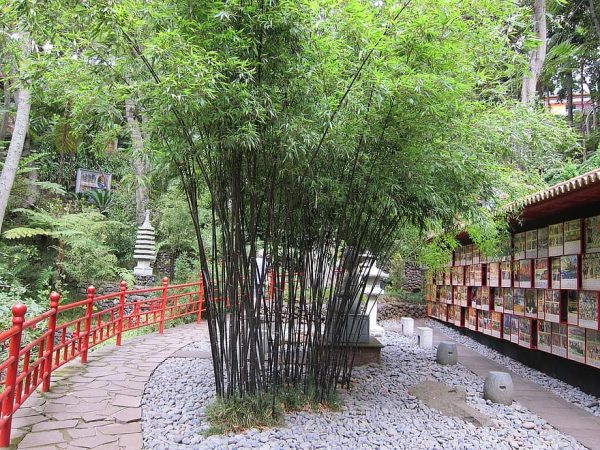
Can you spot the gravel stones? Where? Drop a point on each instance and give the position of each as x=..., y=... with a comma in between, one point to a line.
x=377, y=412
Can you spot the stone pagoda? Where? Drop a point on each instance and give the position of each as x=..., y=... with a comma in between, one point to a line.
x=144, y=253
x=375, y=276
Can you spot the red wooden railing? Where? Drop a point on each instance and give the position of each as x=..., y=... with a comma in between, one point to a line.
x=30, y=365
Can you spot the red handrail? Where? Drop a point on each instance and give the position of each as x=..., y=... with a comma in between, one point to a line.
x=27, y=367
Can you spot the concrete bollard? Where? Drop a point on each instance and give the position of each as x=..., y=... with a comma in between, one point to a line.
x=408, y=326
x=424, y=337
x=498, y=388
x=447, y=353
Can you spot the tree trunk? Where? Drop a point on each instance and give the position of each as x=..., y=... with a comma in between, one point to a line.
x=139, y=161
x=537, y=55
x=592, y=10
x=5, y=111
x=569, y=77
x=15, y=149
x=33, y=190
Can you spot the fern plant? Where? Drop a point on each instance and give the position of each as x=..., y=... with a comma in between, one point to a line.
x=80, y=239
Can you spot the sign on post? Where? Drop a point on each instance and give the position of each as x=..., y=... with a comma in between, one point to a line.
x=90, y=180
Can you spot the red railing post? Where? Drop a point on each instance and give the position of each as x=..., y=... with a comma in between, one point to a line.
x=54, y=299
x=123, y=288
x=271, y=284
x=161, y=327
x=200, y=298
x=91, y=291
x=10, y=383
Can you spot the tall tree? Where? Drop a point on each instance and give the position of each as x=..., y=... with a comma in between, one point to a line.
x=537, y=54
x=4, y=122
x=594, y=17
x=139, y=158
x=21, y=125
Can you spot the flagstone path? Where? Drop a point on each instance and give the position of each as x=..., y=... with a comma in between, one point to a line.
x=97, y=405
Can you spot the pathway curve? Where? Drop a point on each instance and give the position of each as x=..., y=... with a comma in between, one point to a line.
x=97, y=405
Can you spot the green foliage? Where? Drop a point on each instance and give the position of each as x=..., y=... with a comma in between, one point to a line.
x=490, y=234
x=187, y=268
x=122, y=210
x=573, y=168
x=83, y=253
x=236, y=414
x=19, y=263
x=296, y=124
x=435, y=254
x=25, y=232
x=396, y=271
x=102, y=200
x=175, y=230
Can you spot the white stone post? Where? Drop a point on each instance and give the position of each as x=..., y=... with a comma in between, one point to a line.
x=408, y=326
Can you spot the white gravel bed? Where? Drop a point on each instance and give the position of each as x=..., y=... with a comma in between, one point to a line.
x=378, y=412
x=568, y=392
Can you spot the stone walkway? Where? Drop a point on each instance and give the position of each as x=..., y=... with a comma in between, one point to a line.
x=97, y=405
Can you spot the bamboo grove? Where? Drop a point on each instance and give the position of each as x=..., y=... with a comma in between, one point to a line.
x=310, y=198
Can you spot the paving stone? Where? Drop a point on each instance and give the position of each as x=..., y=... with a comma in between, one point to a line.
x=94, y=441
x=120, y=429
x=27, y=421
x=128, y=415
x=82, y=425
x=43, y=438
x=126, y=400
x=96, y=384
x=67, y=400
x=131, y=441
x=76, y=433
x=54, y=425
x=109, y=446
x=25, y=412
x=97, y=372
x=77, y=414
x=63, y=415
x=90, y=393
x=87, y=407
x=93, y=416
x=18, y=433
x=113, y=377
x=35, y=400
x=134, y=385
